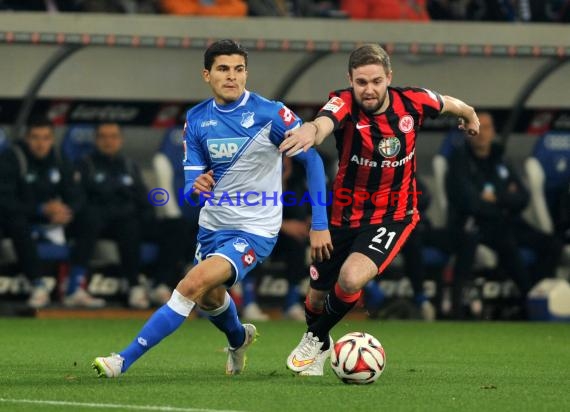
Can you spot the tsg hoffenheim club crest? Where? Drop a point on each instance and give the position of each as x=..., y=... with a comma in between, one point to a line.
x=247, y=119
x=389, y=147
x=240, y=244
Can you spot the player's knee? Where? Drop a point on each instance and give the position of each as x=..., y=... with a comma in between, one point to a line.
x=213, y=299
x=194, y=284
x=350, y=282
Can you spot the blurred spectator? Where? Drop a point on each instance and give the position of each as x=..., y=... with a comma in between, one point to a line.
x=316, y=8
x=52, y=200
x=41, y=5
x=293, y=239
x=177, y=225
x=549, y=10
x=520, y=10
x=290, y=249
x=16, y=208
x=562, y=222
x=412, y=252
x=96, y=6
x=118, y=6
x=117, y=208
x=492, y=10
x=447, y=9
x=220, y=8
x=386, y=9
x=275, y=8
x=486, y=197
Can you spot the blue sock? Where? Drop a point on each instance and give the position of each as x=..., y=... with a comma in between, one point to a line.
x=75, y=278
x=38, y=283
x=419, y=299
x=373, y=295
x=292, y=297
x=226, y=319
x=248, y=288
x=161, y=324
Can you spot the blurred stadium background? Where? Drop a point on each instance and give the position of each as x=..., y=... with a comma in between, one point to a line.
x=143, y=71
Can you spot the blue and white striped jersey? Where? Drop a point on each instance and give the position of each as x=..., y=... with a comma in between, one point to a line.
x=239, y=142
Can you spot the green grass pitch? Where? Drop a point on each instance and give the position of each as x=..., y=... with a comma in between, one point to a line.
x=442, y=366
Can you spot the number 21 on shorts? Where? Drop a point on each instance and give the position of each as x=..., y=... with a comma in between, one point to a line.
x=382, y=240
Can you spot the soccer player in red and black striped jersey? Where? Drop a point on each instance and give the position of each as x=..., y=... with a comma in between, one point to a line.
x=374, y=193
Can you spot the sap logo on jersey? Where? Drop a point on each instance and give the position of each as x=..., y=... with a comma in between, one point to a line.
x=223, y=150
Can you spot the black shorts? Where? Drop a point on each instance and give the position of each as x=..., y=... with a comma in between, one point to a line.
x=381, y=243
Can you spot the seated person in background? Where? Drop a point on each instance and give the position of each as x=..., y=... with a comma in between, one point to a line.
x=220, y=8
x=487, y=197
x=16, y=207
x=293, y=238
x=116, y=207
x=273, y=8
x=450, y=240
x=291, y=247
x=562, y=222
x=53, y=199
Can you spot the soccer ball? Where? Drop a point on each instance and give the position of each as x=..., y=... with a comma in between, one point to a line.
x=358, y=358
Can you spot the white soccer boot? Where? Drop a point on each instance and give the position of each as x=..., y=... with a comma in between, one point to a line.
x=81, y=299
x=138, y=298
x=317, y=368
x=108, y=366
x=253, y=312
x=236, y=357
x=295, y=312
x=305, y=354
x=39, y=298
x=427, y=311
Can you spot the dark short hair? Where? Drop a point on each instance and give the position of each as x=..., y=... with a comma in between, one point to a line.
x=224, y=47
x=371, y=53
x=38, y=122
x=100, y=125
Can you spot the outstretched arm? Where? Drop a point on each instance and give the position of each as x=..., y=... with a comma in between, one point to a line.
x=309, y=134
x=468, y=119
x=320, y=238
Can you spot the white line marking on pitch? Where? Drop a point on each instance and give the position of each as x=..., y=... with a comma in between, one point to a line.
x=113, y=406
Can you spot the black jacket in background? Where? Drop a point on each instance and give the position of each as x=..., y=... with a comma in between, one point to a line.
x=27, y=182
x=466, y=178
x=562, y=221
x=115, y=185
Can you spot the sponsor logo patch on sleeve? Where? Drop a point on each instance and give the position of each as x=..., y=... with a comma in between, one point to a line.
x=334, y=104
x=287, y=115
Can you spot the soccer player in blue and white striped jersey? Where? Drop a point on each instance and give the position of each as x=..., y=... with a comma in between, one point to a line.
x=232, y=161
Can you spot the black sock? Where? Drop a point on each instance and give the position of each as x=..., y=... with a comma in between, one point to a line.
x=335, y=310
x=311, y=317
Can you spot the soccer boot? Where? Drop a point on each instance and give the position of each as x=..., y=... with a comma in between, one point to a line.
x=305, y=354
x=108, y=366
x=317, y=368
x=253, y=312
x=39, y=298
x=236, y=357
x=81, y=299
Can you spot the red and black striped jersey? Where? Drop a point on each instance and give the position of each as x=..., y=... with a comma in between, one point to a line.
x=376, y=181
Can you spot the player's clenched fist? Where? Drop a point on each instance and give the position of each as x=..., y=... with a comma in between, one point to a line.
x=205, y=182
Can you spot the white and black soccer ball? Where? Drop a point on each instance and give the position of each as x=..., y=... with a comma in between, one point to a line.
x=358, y=358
